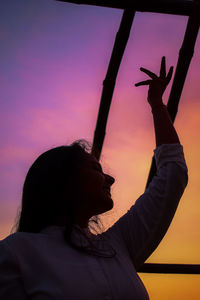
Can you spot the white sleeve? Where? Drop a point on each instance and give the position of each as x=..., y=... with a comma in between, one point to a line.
x=11, y=286
x=144, y=225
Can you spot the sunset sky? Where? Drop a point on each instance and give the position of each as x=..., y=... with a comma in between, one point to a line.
x=53, y=60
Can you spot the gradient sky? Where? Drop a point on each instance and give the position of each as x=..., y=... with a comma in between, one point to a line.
x=53, y=60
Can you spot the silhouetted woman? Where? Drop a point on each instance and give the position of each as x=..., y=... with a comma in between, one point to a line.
x=54, y=255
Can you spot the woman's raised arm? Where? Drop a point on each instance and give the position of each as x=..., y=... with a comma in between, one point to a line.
x=144, y=225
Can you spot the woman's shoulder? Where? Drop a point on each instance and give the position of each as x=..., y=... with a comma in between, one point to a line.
x=13, y=239
x=24, y=235
x=33, y=240
x=17, y=240
x=13, y=245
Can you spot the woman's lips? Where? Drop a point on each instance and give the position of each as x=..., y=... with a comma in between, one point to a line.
x=108, y=190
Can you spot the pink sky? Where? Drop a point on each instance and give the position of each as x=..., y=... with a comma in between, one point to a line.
x=54, y=58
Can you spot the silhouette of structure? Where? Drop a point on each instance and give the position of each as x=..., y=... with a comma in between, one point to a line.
x=190, y=8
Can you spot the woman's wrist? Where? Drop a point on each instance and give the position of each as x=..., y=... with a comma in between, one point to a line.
x=164, y=129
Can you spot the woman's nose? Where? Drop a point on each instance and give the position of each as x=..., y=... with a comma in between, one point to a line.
x=110, y=179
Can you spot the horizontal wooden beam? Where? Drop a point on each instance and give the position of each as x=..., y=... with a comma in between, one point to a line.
x=169, y=268
x=175, y=7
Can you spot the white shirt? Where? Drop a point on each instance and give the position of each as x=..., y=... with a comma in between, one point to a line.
x=42, y=266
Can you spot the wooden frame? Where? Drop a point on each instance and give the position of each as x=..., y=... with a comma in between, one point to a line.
x=178, y=7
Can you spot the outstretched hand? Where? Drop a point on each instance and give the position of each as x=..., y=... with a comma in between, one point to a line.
x=157, y=85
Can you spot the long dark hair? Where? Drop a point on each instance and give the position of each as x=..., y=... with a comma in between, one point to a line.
x=50, y=187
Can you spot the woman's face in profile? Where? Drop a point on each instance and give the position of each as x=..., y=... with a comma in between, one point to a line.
x=94, y=187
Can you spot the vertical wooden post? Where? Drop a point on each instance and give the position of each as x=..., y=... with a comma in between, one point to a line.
x=110, y=79
x=185, y=56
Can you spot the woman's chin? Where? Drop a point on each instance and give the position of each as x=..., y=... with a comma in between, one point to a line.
x=105, y=203
x=108, y=204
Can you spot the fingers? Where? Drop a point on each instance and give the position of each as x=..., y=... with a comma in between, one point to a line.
x=162, y=79
x=163, y=68
x=169, y=75
x=146, y=82
x=151, y=74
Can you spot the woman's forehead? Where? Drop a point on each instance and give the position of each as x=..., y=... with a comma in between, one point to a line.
x=91, y=159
